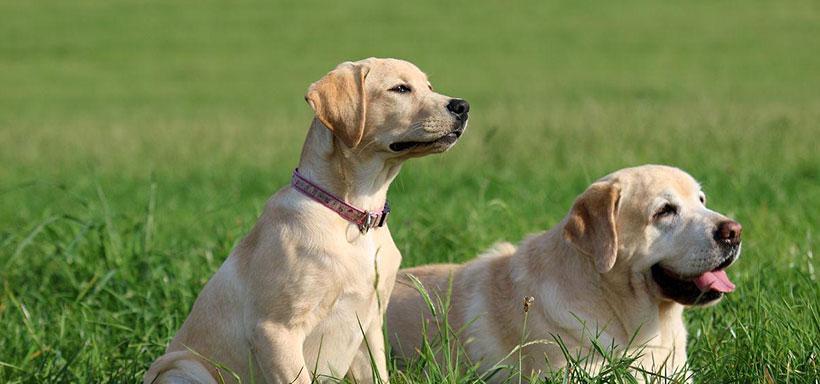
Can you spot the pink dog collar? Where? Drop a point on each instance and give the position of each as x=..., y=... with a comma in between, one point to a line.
x=363, y=219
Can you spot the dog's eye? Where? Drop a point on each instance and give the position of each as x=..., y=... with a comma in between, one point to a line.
x=702, y=198
x=401, y=89
x=667, y=210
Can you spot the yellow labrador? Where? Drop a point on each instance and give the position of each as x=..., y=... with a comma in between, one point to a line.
x=637, y=247
x=303, y=295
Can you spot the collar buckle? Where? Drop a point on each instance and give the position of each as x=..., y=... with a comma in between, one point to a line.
x=367, y=223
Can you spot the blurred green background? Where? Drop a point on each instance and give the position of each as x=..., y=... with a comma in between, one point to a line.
x=140, y=139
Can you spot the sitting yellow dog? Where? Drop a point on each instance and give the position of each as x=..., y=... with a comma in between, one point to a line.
x=303, y=295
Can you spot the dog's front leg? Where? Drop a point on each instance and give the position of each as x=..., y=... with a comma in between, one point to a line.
x=370, y=356
x=278, y=351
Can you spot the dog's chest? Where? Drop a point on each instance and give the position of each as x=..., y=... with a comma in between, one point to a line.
x=332, y=344
x=367, y=268
x=365, y=285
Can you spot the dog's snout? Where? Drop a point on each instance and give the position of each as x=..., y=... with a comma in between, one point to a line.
x=728, y=232
x=459, y=108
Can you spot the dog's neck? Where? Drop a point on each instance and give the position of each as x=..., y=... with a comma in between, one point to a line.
x=623, y=303
x=353, y=175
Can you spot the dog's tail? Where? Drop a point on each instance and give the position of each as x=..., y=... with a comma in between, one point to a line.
x=502, y=248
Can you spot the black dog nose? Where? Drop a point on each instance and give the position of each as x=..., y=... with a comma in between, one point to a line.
x=459, y=108
x=728, y=232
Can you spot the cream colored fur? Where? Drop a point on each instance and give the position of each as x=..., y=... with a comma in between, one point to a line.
x=589, y=277
x=290, y=302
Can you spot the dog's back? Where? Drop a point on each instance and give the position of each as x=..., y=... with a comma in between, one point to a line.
x=409, y=310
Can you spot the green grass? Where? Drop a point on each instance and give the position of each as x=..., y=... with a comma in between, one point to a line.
x=139, y=141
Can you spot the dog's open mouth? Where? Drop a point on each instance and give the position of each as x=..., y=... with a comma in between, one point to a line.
x=445, y=141
x=702, y=289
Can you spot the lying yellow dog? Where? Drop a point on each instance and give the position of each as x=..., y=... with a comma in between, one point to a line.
x=637, y=247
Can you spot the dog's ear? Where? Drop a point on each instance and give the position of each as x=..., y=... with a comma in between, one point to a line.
x=340, y=103
x=591, y=224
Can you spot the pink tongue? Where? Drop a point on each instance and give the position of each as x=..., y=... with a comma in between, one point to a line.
x=716, y=280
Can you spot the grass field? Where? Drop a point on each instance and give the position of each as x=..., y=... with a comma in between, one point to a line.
x=139, y=141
